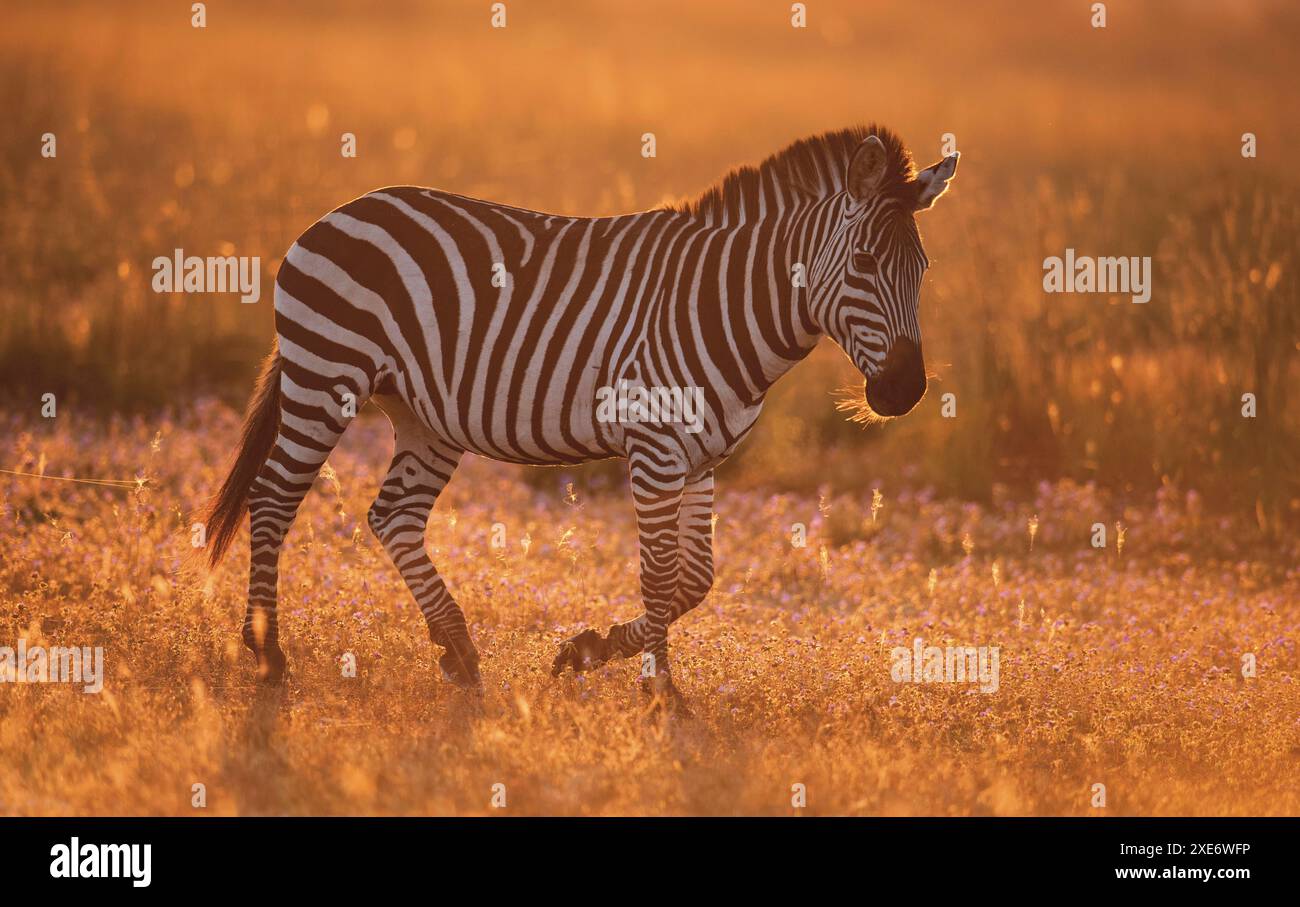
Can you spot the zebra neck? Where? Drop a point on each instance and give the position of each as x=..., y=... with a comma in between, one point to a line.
x=755, y=315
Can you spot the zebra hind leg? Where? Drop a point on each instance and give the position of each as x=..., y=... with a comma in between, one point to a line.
x=299, y=452
x=422, y=466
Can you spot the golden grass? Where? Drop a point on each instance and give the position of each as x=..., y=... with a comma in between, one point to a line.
x=1124, y=140
x=1116, y=668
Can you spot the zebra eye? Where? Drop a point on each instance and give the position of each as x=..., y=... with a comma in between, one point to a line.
x=864, y=262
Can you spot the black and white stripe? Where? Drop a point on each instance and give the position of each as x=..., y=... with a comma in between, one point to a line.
x=391, y=299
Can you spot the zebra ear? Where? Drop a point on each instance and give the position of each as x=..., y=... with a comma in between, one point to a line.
x=932, y=182
x=867, y=168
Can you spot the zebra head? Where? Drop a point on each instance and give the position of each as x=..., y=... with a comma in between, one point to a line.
x=869, y=279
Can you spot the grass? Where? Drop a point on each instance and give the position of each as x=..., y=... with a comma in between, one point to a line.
x=1115, y=141
x=1116, y=667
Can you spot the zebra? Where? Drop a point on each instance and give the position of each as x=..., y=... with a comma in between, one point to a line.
x=479, y=327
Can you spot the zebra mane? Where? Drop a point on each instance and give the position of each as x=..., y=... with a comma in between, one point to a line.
x=809, y=169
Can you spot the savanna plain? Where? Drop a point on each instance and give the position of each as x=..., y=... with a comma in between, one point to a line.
x=1160, y=663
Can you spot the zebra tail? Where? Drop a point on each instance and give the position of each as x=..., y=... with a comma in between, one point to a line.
x=226, y=512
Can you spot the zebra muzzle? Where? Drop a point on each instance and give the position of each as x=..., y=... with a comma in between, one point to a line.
x=901, y=383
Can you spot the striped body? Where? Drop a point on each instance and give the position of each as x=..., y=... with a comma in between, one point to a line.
x=483, y=328
x=511, y=372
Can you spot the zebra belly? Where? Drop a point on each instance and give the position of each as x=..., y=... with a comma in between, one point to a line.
x=540, y=425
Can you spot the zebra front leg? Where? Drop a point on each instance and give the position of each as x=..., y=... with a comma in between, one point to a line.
x=422, y=466
x=658, y=499
x=589, y=649
x=657, y=495
x=695, y=566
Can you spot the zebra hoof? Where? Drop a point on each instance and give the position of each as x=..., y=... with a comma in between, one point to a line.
x=664, y=696
x=271, y=665
x=461, y=669
x=583, y=652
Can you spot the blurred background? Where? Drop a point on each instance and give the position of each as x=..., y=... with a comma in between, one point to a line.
x=1123, y=140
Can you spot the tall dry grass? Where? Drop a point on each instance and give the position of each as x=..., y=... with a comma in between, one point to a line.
x=1123, y=140
x=1119, y=666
